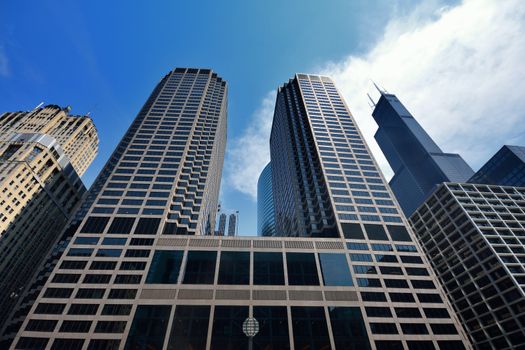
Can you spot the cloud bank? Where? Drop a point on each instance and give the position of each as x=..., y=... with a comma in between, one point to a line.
x=459, y=70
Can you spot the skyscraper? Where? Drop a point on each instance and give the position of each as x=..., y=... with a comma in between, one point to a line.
x=265, y=208
x=162, y=180
x=505, y=168
x=222, y=224
x=232, y=224
x=474, y=236
x=418, y=163
x=42, y=153
x=131, y=284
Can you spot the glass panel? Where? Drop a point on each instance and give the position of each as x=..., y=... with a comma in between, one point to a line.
x=335, y=270
x=352, y=231
x=376, y=232
x=309, y=328
x=200, y=267
x=165, y=266
x=268, y=269
x=273, y=328
x=302, y=270
x=149, y=327
x=348, y=328
x=227, y=331
x=234, y=268
x=190, y=328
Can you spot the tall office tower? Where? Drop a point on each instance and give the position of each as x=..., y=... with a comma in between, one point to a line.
x=125, y=283
x=418, y=163
x=265, y=208
x=162, y=180
x=76, y=135
x=40, y=189
x=232, y=224
x=222, y=224
x=474, y=236
x=505, y=168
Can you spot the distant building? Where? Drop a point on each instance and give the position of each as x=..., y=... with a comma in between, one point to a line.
x=418, y=163
x=222, y=225
x=505, y=168
x=42, y=154
x=265, y=207
x=232, y=225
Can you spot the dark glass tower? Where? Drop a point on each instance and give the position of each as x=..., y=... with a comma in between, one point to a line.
x=505, y=168
x=418, y=163
x=265, y=208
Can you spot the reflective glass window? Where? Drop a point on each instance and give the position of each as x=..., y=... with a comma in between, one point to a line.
x=227, y=328
x=165, y=266
x=149, y=327
x=348, y=328
x=309, y=328
x=273, y=328
x=190, y=327
x=200, y=267
x=335, y=270
x=234, y=268
x=268, y=268
x=302, y=270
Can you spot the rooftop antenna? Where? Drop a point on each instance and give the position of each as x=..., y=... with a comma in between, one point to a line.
x=381, y=91
x=39, y=105
x=372, y=104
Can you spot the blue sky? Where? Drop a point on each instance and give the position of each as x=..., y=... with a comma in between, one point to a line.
x=105, y=57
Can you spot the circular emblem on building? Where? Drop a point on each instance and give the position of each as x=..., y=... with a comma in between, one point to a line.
x=250, y=327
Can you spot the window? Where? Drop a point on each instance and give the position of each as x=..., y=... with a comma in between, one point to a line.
x=200, y=267
x=90, y=293
x=383, y=328
x=234, y=268
x=302, y=270
x=376, y=232
x=268, y=268
x=95, y=224
x=41, y=325
x=352, y=231
x=83, y=309
x=111, y=253
x=114, y=241
x=398, y=233
x=309, y=328
x=348, y=328
x=110, y=327
x=32, y=343
x=49, y=309
x=147, y=226
x=443, y=328
x=436, y=313
x=116, y=309
x=227, y=328
x=369, y=282
x=273, y=327
x=58, y=292
x=165, y=266
x=64, y=343
x=75, y=326
x=121, y=225
x=402, y=297
x=148, y=328
x=104, y=344
x=335, y=270
x=86, y=240
x=373, y=296
x=414, y=328
x=407, y=312
x=429, y=298
x=190, y=327
x=122, y=294
x=377, y=311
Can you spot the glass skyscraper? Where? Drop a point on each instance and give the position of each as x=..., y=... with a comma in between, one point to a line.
x=418, y=163
x=505, y=168
x=141, y=280
x=265, y=208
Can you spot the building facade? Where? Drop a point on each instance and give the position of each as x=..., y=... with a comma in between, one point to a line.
x=40, y=153
x=128, y=282
x=505, y=168
x=265, y=208
x=418, y=163
x=474, y=236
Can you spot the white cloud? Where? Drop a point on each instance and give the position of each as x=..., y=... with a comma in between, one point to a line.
x=459, y=70
x=4, y=63
x=250, y=153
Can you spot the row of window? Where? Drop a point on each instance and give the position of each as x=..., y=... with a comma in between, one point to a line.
x=191, y=322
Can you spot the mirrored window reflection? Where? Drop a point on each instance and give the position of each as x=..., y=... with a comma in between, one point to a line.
x=149, y=327
x=268, y=269
x=234, y=268
x=309, y=328
x=190, y=327
x=200, y=267
x=302, y=270
x=348, y=328
x=273, y=328
x=227, y=328
x=335, y=270
x=165, y=266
